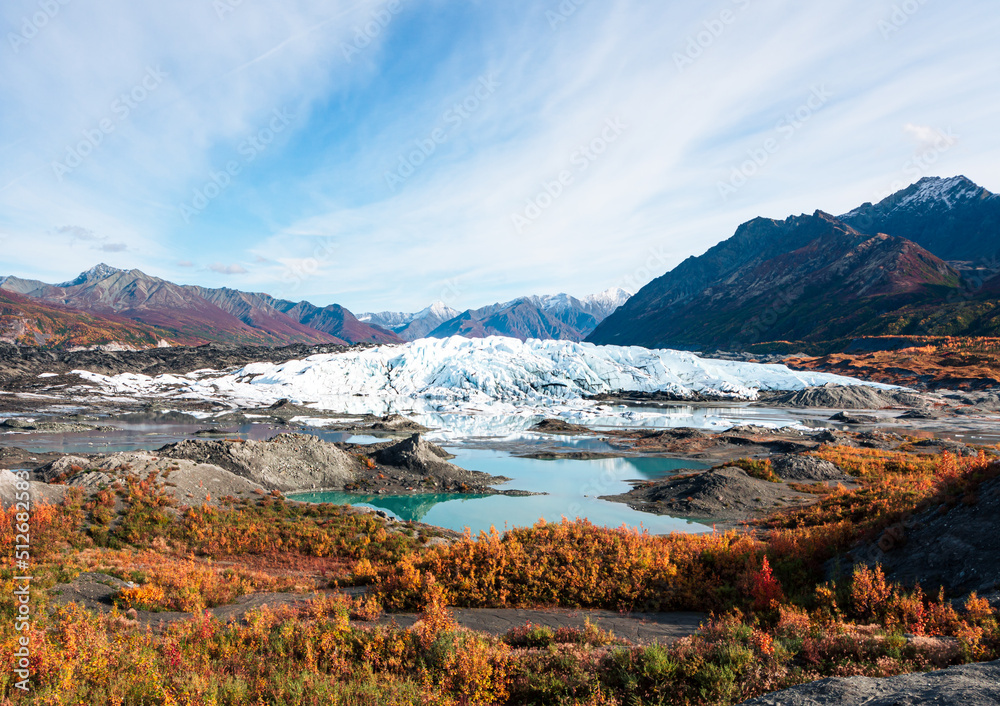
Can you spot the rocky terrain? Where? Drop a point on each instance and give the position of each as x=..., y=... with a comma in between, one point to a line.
x=923, y=362
x=20, y=366
x=726, y=493
x=968, y=685
x=206, y=471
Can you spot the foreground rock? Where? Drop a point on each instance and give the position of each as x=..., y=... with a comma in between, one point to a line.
x=968, y=685
x=203, y=470
x=287, y=462
x=726, y=493
x=413, y=463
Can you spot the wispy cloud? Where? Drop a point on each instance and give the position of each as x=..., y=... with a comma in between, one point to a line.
x=314, y=210
x=227, y=269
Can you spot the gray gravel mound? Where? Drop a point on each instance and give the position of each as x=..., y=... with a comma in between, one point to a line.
x=726, y=493
x=39, y=492
x=190, y=482
x=968, y=685
x=415, y=454
x=287, y=462
x=797, y=467
x=846, y=397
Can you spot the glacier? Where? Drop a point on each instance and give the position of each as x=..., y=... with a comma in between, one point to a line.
x=460, y=375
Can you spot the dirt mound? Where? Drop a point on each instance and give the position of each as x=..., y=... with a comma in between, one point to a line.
x=298, y=462
x=287, y=462
x=849, y=418
x=726, y=493
x=798, y=467
x=191, y=483
x=38, y=492
x=969, y=685
x=559, y=426
x=845, y=397
x=396, y=422
x=957, y=549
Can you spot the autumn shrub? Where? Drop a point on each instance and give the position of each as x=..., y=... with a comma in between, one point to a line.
x=575, y=563
x=757, y=469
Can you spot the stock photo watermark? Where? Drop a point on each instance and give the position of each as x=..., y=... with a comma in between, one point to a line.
x=22, y=581
x=934, y=144
x=32, y=25
x=901, y=14
x=367, y=33
x=453, y=118
x=712, y=29
x=223, y=8
x=249, y=150
x=562, y=12
x=121, y=108
x=580, y=161
x=785, y=129
x=297, y=270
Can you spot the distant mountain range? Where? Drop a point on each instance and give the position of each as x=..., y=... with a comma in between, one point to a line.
x=921, y=262
x=559, y=317
x=410, y=327
x=131, y=308
x=176, y=314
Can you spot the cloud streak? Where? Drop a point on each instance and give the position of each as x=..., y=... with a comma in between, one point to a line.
x=316, y=213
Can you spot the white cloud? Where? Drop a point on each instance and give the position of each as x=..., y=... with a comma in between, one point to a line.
x=227, y=269
x=649, y=200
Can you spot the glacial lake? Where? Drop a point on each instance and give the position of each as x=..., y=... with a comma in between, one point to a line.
x=572, y=488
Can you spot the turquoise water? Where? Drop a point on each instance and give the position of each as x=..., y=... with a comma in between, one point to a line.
x=572, y=488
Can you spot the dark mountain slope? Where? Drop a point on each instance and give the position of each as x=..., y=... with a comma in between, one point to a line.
x=832, y=283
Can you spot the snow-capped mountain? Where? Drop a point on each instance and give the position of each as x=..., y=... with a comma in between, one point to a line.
x=954, y=218
x=410, y=327
x=556, y=316
x=95, y=273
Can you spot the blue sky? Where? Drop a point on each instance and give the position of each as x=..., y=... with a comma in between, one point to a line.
x=386, y=155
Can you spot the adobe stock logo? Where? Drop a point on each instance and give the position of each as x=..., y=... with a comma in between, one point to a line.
x=33, y=24
x=121, y=108
x=423, y=149
x=582, y=159
x=249, y=149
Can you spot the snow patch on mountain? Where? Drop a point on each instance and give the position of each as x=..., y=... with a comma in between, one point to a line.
x=948, y=192
x=94, y=274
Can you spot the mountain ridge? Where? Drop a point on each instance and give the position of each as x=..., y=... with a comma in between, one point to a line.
x=819, y=280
